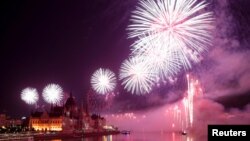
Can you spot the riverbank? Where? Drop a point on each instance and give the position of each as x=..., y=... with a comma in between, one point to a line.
x=18, y=136
x=53, y=135
x=62, y=135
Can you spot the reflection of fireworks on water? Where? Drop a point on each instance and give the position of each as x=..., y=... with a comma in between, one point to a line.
x=136, y=76
x=53, y=94
x=103, y=81
x=29, y=95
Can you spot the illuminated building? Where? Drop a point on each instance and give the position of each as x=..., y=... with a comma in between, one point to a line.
x=66, y=118
x=71, y=115
x=6, y=121
x=44, y=121
x=2, y=120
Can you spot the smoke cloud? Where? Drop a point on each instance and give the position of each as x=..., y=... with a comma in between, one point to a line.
x=224, y=72
x=161, y=120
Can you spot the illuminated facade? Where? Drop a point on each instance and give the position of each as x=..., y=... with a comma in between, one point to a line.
x=6, y=121
x=2, y=120
x=44, y=121
x=66, y=118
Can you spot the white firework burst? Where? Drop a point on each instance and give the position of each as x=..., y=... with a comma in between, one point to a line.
x=53, y=94
x=103, y=81
x=136, y=76
x=160, y=60
x=29, y=95
x=183, y=27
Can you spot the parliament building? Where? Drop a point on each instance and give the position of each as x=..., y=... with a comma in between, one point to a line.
x=66, y=118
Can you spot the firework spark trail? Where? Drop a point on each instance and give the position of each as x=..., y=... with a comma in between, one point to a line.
x=183, y=112
x=103, y=81
x=185, y=105
x=29, y=95
x=182, y=27
x=93, y=102
x=52, y=94
x=190, y=99
x=175, y=19
x=160, y=60
x=194, y=90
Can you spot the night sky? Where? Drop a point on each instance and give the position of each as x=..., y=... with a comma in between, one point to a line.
x=58, y=42
x=64, y=42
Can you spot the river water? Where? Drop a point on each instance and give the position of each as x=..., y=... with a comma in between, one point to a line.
x=137, y=137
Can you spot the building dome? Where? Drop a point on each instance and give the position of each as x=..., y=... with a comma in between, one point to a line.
x=70, y=107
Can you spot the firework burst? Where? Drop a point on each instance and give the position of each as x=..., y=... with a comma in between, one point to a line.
x=183, y=27
x=160, y=60
x=103, y=81
x=137, y=76
x=29, y=95
x=53, y=93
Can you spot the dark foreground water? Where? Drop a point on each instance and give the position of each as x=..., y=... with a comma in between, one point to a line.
x=136, y=137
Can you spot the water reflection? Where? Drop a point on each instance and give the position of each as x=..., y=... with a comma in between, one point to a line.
x=107, y=138
x=136, y=137
x=152, y=137
x=189, y=139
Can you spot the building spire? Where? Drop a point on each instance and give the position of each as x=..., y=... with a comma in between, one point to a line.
x=71, y=95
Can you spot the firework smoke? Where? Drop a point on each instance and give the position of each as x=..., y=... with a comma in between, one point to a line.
x=170, y=35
